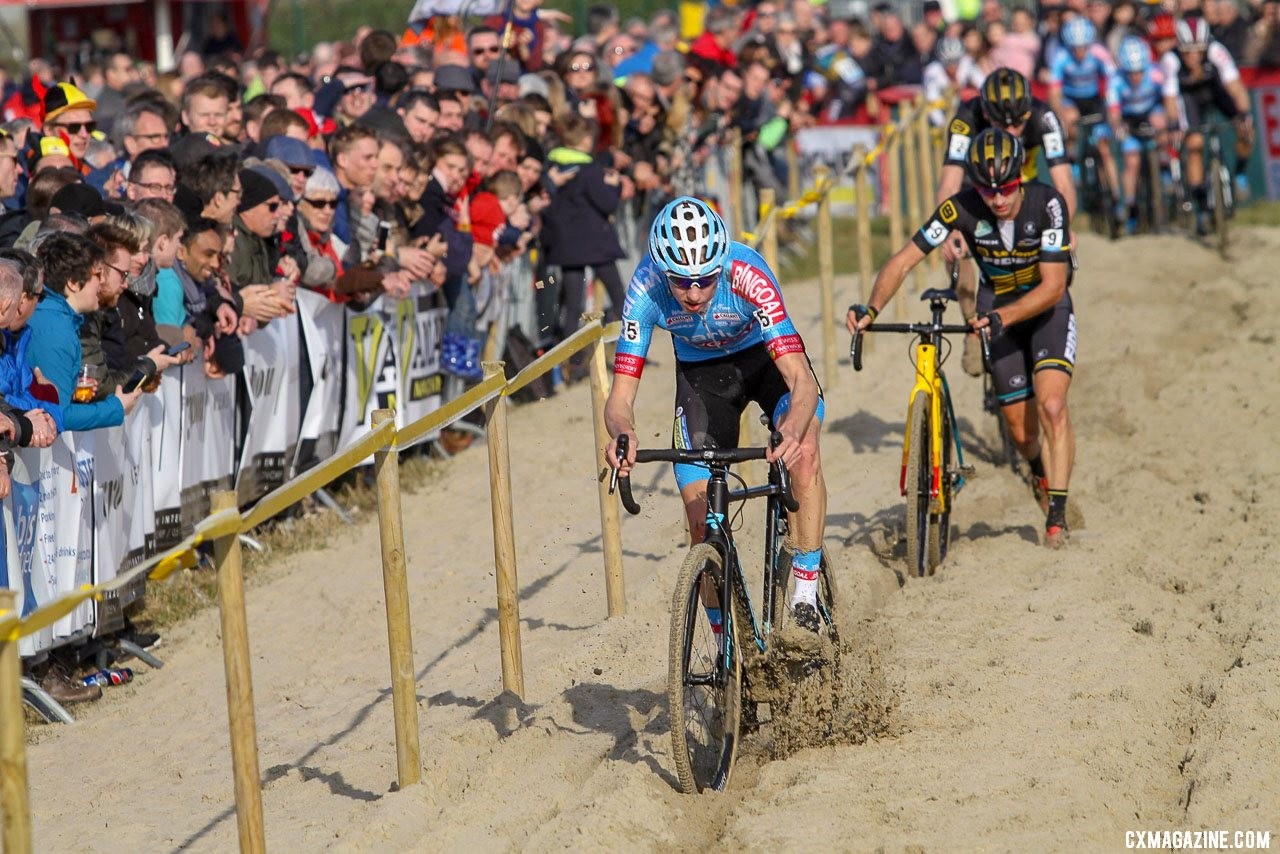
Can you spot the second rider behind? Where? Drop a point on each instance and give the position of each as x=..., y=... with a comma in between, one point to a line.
x=1019, y=233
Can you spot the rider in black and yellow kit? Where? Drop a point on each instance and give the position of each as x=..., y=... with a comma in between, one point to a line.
x=1020, y=235
x=1004, y=102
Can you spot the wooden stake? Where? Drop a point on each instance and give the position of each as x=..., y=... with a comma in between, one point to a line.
x=866, y=263
x=793, y=171
x=827, y=276
x=14, y=796
x=737, y=216
x=894, y=192
x=395, y=585
x=504, y=540
x=911, y=163
x=235, y=659
x=928, y=177
x=610, y=531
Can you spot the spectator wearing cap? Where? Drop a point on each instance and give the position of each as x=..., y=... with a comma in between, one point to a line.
x=68, y=115
x=73, y=268
x=453, y=83
x=205, y=106
x=284, y=248
x=420, y=112
x=82, y=199
x=296, y=156
x=250, y=267
x=505, y=77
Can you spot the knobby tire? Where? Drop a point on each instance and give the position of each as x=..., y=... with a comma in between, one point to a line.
x=705, y=719
x=918, y=485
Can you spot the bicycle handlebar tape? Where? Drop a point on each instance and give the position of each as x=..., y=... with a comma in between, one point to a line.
x=624, y=481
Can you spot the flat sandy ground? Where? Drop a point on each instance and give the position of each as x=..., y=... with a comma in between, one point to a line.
x=1022, y=699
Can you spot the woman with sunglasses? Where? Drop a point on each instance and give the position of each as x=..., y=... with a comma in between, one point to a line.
x=735, y=344
x=1020, y=235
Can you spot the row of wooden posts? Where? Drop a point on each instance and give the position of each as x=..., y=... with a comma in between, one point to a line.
x=916, y=146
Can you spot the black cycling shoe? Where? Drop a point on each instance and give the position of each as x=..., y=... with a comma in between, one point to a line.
x=805, y=616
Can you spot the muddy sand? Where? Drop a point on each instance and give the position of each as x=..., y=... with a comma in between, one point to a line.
x=1020, y=699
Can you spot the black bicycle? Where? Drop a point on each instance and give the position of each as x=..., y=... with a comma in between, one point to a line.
x=1097, y=196
x=707, y=685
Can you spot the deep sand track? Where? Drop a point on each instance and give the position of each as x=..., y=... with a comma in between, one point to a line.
x=1021, y=698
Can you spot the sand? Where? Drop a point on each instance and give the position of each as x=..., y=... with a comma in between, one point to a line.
x=1021, y=698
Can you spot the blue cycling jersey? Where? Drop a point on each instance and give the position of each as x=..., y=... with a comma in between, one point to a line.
x=745, y=313
x=1135, y=101
x=1081, y=78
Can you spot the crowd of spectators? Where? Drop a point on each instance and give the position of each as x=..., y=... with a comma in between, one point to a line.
x=149, y=208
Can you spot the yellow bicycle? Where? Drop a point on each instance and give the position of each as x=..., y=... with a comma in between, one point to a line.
x=929, y=480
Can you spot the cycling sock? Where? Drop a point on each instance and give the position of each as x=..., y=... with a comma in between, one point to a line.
x=1057, y=517
x=1037, y=466
x=716, y=619
x=804, y=566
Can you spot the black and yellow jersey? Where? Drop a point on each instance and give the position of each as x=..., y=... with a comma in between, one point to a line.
x=1009, y=252
x=1042, y=131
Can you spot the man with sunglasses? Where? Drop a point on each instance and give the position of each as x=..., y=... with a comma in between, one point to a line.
x=1004, y=102
x=68, y=115
x=1019, y=232
x=735, y=344
x=249, y=267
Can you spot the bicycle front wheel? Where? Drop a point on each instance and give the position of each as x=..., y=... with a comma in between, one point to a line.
x=704, y=677
x=940, y=522
x=918, y=478
x=1218, y=176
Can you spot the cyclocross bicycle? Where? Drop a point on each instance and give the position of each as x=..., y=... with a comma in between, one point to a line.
x=1097, y=196
x=929, y=479
x=1221, y=190
x=708, y=688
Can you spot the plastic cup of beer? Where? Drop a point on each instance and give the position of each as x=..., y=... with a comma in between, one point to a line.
x=86, y=384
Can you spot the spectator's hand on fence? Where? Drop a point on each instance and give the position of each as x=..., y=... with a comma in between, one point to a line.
x=439, y=274
x=247, y=326
x=162, y=360
x=128, y=399
x=226, y=320
x=953, y=248
x=520, y=217
x=416, y=262
x=612, y=178
x=286, y=294
x=288, y=269
x=189, y=335
x=397, y=285
x=260, y=304
x=43, y=430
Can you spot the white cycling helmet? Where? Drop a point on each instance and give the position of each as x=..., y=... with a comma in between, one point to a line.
x=688, y=239
x=1079, y=32
x=1132, y=56
x=950, y=50
x=1193, y=34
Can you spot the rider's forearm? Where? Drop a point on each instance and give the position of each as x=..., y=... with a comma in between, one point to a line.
x=891, y=277
x=619, y=417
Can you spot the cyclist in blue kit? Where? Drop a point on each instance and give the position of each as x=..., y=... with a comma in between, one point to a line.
x=734, y=344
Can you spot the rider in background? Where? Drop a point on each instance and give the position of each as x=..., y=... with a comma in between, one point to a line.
x=734, y=344
x=1134, y=101
x=1201, y=80
x=1020, y=235
x=1005, y=102
x=1078, y=81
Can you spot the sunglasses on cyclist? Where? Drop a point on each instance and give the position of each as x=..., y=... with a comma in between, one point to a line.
x=684, y=283
x=1005, y=190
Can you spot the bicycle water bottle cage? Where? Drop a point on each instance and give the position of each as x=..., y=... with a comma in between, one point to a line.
x=945, y=295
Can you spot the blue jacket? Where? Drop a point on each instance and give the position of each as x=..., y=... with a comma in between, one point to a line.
x=16, y=377
x=55, y=349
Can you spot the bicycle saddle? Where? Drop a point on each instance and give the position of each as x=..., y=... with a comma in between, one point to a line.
x=947, y=295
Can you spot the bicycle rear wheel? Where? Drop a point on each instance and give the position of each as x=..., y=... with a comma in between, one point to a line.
x=917, y=482
x=940, y=523
x=704, y=678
